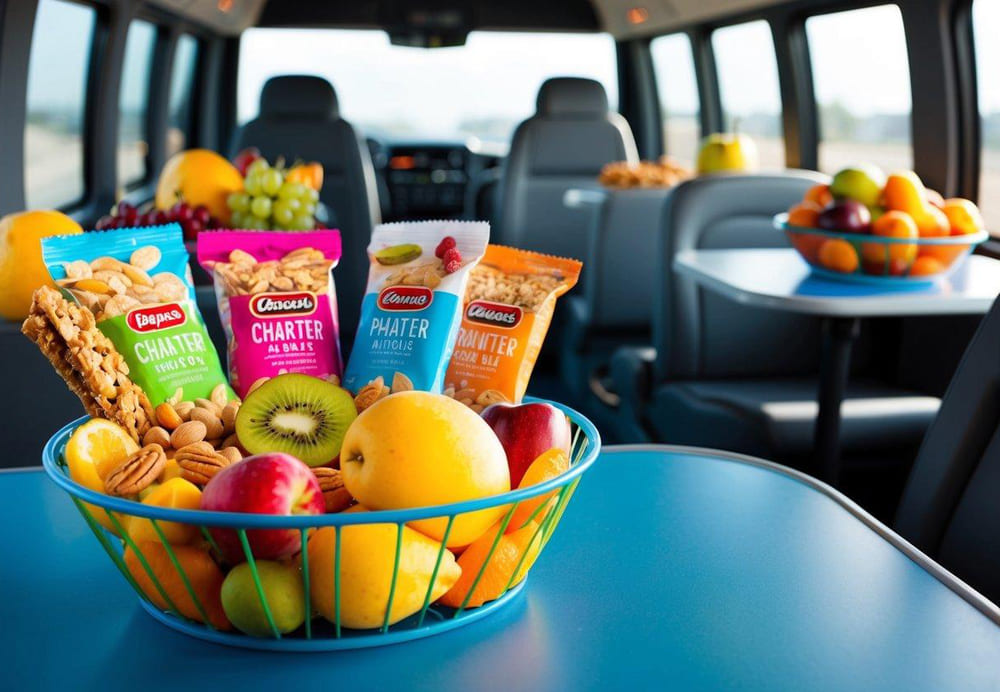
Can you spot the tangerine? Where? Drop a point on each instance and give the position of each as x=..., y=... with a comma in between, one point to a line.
x=892, y=224
x=838, y=255
x=548, y=465
x=804, y=214
x=926, y=265
x=819, y=195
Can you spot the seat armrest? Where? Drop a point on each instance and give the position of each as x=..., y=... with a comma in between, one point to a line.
x=632, y=380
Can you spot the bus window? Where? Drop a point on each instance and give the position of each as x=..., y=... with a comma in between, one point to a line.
x=400, y=93
x=181, y=86
x=986, y=18
x=678, y=90
x=748, y=87
x=56, y=101
x=862, y=83
x=133, y=102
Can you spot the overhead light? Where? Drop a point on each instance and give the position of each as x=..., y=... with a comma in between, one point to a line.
x=637, y=15
x=224, y=5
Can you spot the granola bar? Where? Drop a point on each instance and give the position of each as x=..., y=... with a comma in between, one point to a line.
x=94, y=370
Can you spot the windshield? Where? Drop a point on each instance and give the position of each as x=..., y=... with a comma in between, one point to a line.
x=482, y=89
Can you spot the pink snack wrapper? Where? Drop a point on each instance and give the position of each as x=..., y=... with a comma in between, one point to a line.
x=277, y=301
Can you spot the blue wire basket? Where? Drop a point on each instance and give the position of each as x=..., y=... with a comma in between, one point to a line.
x=178, y=594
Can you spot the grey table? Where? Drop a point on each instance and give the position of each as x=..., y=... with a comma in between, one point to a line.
x=780, y=280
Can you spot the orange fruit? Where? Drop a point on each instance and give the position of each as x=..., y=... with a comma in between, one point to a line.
x=963, y=216
x=838, y=255
x=804, y=214
x=309, y=174
x=892, y=224
x=199, y=177
x=201, y=571
x=926, y=266
x=548, y=465
x=945, y=254
x=92, y=453
x=932, y=222
x=934, y=198
x=176, y=493
x=500, y=569
x=21, y=267
x=819, y=195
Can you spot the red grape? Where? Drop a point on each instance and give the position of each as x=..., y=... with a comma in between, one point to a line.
x=202, y=215
x=103, y=223
x=182, y=213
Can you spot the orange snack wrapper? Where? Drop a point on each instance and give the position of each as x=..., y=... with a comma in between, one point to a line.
x=508, y=307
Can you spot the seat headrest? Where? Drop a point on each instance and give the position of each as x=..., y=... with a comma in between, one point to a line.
x=572, y=96
x=298, y=95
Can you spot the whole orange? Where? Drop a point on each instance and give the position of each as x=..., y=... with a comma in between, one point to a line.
x=892, y=224
x=838, y=255
x=964, y=216
x=547, y=466
x=21, y=267
x=932, y=222
x=819, y=195
x=201, y=178
x=804, y=214
x=926, y=266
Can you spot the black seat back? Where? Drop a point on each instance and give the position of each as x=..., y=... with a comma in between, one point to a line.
x=702, y=335
x=300, y=119
x=951, y=505
x=564, y=145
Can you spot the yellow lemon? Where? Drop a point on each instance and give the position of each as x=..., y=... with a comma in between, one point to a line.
x=21, y=267
x=93, y=451
x=199, y=177
x=416, y=449
x=367, y=556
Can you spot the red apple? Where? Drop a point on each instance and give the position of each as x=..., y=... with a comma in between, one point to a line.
x=526, y=431
x=272, y=483
x=243, y=159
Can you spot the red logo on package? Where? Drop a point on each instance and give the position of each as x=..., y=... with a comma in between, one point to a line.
x=156, y=318
x=494, y=314
x=282, y=304
x=405, y=298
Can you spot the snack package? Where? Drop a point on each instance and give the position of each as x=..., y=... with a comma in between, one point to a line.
x=508, y=307
x=137, y=283
x=412, y=305
x=277, y=301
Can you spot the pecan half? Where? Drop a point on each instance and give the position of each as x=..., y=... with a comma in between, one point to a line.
x=136, y=473
x=199, y=462
x=335, y=495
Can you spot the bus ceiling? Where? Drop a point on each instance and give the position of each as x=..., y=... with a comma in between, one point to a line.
x=441, y=23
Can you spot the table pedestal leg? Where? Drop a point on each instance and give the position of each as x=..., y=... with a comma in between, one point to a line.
x=839, y=334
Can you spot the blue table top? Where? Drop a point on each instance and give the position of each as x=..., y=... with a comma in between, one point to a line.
x=671, y=568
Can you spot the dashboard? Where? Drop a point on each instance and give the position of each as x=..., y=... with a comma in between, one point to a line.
x=429, y=180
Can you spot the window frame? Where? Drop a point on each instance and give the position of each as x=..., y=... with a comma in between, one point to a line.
x=95, y=55
x=149, y=117
x=662, y=118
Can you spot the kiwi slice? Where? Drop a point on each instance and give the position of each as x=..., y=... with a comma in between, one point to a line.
x=297, y=414
x=398, y=254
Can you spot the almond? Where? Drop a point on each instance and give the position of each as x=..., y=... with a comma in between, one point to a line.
x=157, y=435
x=335, y=495
x=208, y=405
x=213, y=426
x=229, y=416
x=231, y=453
x=166, y=416
x=188, y=433
x=219, y=395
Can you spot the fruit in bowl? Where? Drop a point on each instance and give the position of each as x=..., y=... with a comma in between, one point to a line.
x=275, y=483
x=415, y=449
x=874, y=215
x=526, y=431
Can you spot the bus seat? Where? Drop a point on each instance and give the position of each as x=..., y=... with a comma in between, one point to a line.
x=731, y=376
x=300, y=119
x=613, y=306
x=562, y=146
x=949, y=507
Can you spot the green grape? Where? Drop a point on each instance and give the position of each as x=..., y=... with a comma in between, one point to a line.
x=302, y=222
x=252, y=184
x=283, y=212
x=261, y=207
x=256, y=223
x=288, y=191
x=309, y=208
x=238, y=201
x=237, y=219
x=271, y=182
x=258, y=166
x=312, y=194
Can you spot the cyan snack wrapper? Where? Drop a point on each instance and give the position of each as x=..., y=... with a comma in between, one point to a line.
x=413, y=303
x=137, y=282
x=277, y=301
